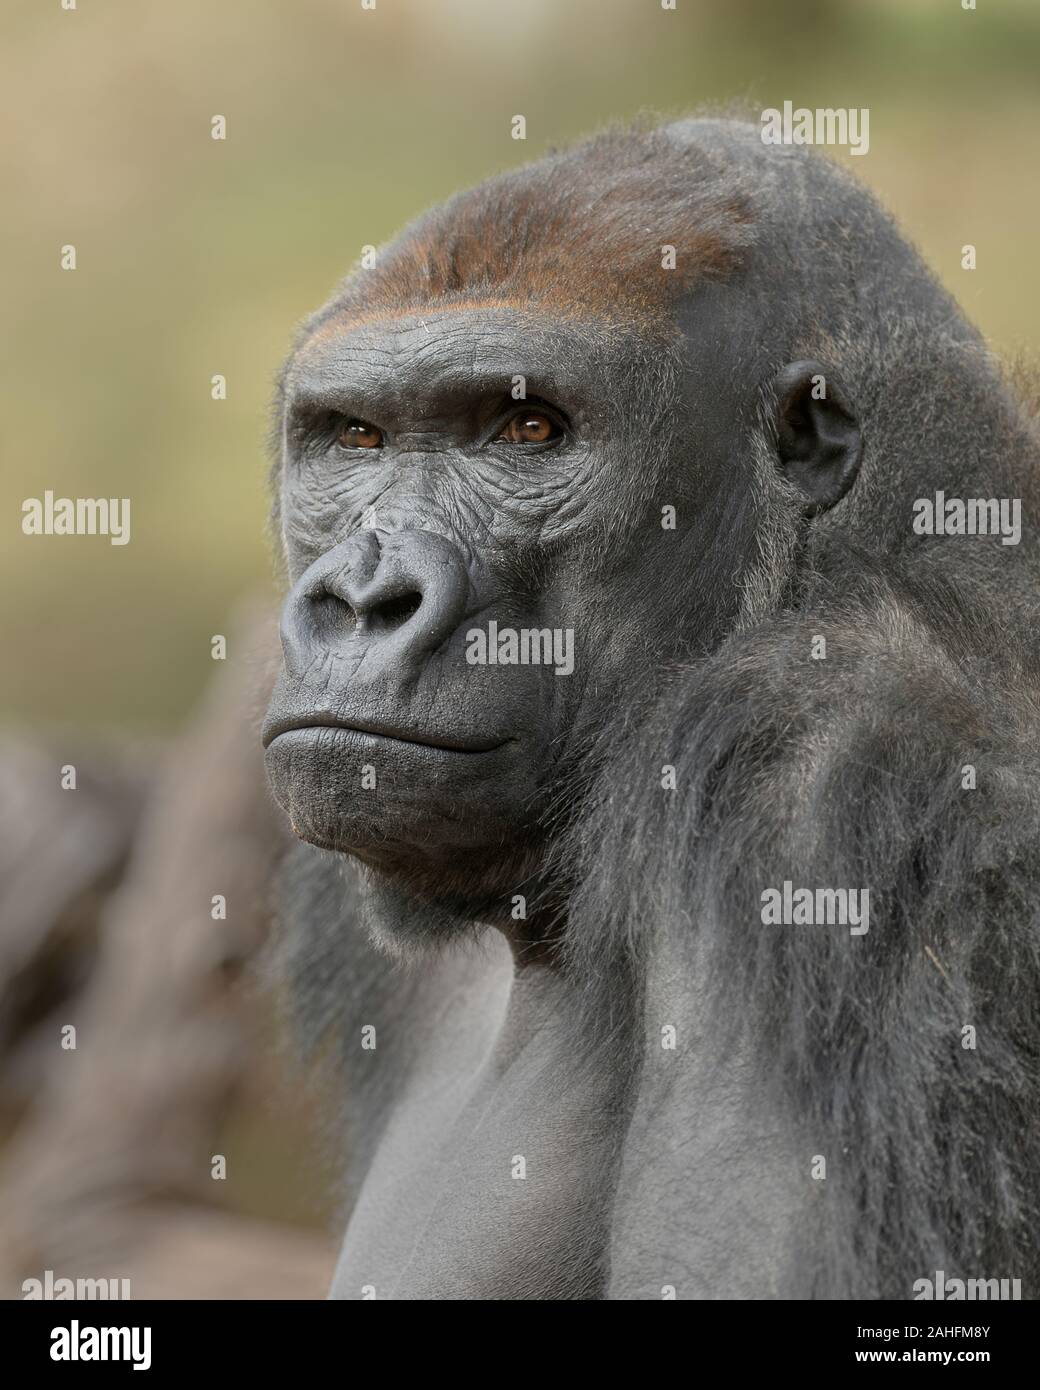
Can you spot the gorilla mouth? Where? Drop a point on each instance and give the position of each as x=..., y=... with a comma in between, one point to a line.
x=377, y=730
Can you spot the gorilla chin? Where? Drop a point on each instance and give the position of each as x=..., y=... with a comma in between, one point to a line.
x=397, y=803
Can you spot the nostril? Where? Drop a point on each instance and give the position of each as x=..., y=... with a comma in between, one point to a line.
x=393, y=612
x=332, y=615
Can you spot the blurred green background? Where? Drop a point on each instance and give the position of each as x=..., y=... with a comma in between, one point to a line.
x=197, y=257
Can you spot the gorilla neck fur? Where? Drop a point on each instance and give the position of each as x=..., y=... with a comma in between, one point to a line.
x=408, y=920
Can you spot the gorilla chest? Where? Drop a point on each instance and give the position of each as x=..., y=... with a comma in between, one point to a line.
x=490, y=1185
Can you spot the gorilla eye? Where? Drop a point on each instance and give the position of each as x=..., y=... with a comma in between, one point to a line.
x=530, y=427
x=359, y=434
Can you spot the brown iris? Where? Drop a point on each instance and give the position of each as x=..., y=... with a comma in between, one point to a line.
x=359, y=434
x=530, y=428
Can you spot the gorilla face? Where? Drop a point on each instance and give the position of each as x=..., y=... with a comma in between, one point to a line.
x=459, y=580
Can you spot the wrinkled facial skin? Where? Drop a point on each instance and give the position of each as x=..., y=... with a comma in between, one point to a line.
x=382, y=739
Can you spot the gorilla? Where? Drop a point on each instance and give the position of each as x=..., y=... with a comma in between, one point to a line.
x=660, y=708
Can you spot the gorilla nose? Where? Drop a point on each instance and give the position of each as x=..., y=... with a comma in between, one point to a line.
x=390, y=600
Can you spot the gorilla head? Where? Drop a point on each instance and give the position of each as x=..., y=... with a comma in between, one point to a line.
x=573, y=427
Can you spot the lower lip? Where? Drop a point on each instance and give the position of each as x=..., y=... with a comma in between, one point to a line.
x=363, y=738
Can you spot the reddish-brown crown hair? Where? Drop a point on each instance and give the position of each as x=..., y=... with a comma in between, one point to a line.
x=581, y=230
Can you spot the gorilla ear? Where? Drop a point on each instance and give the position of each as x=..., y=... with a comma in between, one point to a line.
x=818, y=435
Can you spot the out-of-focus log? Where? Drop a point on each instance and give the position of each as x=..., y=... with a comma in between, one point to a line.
x=126, y=1122
x=61, y=854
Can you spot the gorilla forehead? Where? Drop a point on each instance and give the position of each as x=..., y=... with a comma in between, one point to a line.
x=417, y=363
